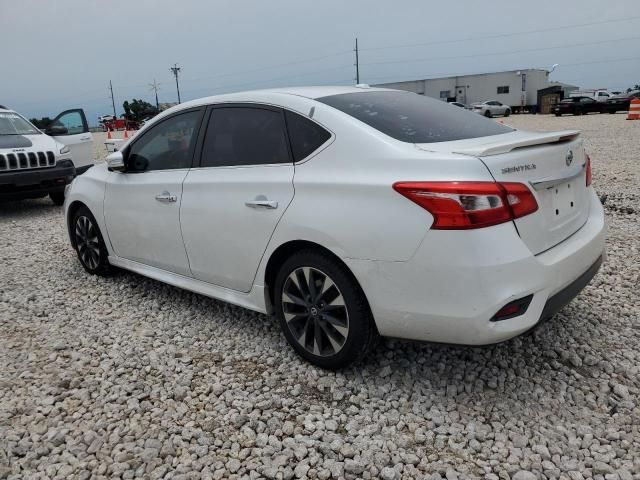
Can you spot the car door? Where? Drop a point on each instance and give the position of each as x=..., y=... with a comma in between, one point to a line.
x=78, y=138
x=587, y=105
x=142, y=203
x=232, y=203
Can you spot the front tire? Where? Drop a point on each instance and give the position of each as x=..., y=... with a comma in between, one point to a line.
x=507, y=112
x=487, y=114
x=57, y=198
x=89, y=244
x=322, y=311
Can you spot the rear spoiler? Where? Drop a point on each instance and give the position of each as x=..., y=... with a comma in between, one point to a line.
x=498, y=144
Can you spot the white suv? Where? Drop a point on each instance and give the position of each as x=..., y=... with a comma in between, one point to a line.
x=348, y=212
x=34, y=164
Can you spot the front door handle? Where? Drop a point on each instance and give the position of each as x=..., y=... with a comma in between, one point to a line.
x=166, y=197
x=262, y=204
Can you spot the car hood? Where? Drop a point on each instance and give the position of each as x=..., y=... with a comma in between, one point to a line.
x=38, y=142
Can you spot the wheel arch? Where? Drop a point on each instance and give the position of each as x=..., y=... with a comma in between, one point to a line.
x=284, y=251
x=71, y=211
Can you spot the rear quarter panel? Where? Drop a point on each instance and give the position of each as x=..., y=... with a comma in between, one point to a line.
x=344, y=198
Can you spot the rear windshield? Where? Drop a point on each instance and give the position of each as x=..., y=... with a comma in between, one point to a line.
x=413, y=118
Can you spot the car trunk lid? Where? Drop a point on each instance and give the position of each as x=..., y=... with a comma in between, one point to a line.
x=552, y=165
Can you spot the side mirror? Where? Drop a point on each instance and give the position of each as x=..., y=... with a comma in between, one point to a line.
x=115, y=161
x=54, y=130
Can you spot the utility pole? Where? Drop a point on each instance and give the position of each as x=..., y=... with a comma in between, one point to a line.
x=176, y=69
x=155, y=87
x=357, y=64
x=113, y=102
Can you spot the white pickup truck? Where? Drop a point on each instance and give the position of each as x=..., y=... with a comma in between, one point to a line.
x=33, y=163
x=598, y=94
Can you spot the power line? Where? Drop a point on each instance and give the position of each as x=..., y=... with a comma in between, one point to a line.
x=270, y=67
x=448, y=74
x=176, y=69
x=448, y=57
x=500, y=35
x=286, y=77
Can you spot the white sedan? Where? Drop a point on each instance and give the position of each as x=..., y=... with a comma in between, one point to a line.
x=348, y=212
x=491, y=108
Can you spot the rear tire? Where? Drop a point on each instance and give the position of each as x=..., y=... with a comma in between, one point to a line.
x=322, y=311
x=57, y=198
x=89, y=244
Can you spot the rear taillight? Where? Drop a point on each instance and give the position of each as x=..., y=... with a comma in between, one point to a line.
x=588, y=170
x=465, y=205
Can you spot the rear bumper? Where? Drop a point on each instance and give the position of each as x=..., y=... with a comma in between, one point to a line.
x=568, y=293
x=35, y=183
x=456, y=282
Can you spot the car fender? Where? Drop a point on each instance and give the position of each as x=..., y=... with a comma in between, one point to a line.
x=89, y=189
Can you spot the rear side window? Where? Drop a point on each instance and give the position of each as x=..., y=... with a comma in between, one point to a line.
x=413, y=118
x=244, y=136
x=306, y=136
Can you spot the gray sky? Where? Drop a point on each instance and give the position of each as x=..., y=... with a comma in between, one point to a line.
x=61, y=54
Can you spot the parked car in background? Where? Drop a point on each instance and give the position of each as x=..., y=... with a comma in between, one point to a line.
x=34, y=164
x=621, y=102
x=491, y=108
x=578, y=106
x=348, y=212
x=458, y=104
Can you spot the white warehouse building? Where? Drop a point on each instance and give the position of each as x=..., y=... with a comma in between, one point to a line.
x=516, y=88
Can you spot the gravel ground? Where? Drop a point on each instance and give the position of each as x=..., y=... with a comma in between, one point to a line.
x=125, y=377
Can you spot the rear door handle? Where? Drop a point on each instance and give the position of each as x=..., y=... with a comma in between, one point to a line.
x=166, y=197
x=270, y=204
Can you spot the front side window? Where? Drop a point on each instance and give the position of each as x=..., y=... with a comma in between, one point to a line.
x=413, y=118
x=587, y=100
x=13, y=124
x=72, y=121
x=244, y=136
x=168, y=145
x=306, y=136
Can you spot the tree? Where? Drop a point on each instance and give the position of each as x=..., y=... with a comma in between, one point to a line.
x=138, y=110
x=635, y=87
x=41, y=123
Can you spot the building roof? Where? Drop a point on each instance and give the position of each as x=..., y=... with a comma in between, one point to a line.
x=467, y=75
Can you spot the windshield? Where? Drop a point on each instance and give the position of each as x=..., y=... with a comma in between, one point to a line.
x=413, y=118
x=13, y=124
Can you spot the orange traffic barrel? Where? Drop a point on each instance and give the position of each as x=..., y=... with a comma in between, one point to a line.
x=634, y=109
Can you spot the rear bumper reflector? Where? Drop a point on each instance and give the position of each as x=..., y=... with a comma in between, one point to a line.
x=513, y=309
